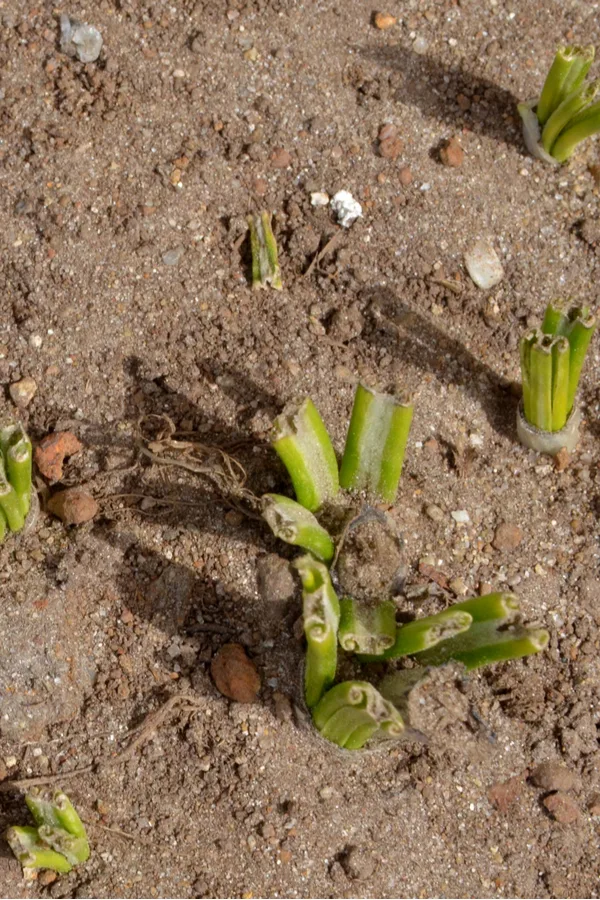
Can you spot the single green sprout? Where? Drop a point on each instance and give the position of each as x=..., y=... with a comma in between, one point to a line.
x=567, y=110
x=59, y=840
x=15, y=478
x=424, y=633
x=567, y=73
x=365, y=628
x=485, y=643
x=301, y=441
x=551, y=364
x=294, y=524
x=353, y=712
x=321, y=616
x=375, y=444
x=263, y=246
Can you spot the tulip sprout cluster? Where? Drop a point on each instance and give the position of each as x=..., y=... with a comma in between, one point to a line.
x=475, y=633
x=57, y=842
x=15, y=478
x=552, y=358
x=568, y=109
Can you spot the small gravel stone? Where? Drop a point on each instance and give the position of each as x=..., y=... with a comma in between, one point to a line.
x=47, y=877
x=22, y=392
x=391, y=147
x=52, y=451
x=483, y=264
x=420, y=45
x=593, y=805
x=358, y=864
x=435, y=513
x=280, y=158
x=405, y=176
x=452, y=154
x=458, y=586
x=275, y=580
x=552, y=776
x=260, y=186
x=562, y=808
x=172, y=257
x=504, y=793
x=283, y=707
x=73, y=506
x=80, y=40
x=461, y=516
x=384, y=20
x=234, y=674
x=507, y=536
x=346, y=208
x=562, y=460
x=35, y=341
x=388, y=130
x=319, y=198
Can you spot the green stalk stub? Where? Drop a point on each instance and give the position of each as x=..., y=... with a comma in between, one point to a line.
x=540, y=377
x=556, y=317
x=498, y=607
x=54, y=809
x=367, y=629
x=321, y=614
x=425, y=633
x=294, y=524
x=485, y=643
x=33, y=852
x=354, y=711
x=560, y=382
x=572, y=135
x=263, y=246
x=18, y=467
x=375, y=443
x=10, y=503
x=563, y=115
x=301, y=441
x=581, y=329
x=566, y=73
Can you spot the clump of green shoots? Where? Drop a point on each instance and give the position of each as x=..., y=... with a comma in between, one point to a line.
x=552, y=358
x=57, y=842
x=474, y=633
x=15, y=478
x=263, y=247
x=567, y=110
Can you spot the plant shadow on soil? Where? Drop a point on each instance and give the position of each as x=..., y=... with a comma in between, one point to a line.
x=426, y=83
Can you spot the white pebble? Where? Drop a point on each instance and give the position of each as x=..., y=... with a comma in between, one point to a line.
x=483, y=264
x=319, y=198
x=35, y=341
x=346, y=208
x=461, y=516
x=80, y=40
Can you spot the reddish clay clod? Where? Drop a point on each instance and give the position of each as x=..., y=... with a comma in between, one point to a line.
x=52, y=451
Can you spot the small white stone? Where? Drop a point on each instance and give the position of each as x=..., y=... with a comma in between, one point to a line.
x=461, y=516
x=420, y=44
x=483, y=264
x=36, y=341
x=476, y=440
x=346, y=208
x=319, y=198
x=10, y=762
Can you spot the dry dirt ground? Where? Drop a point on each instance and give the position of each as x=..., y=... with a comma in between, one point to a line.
x=197, y=113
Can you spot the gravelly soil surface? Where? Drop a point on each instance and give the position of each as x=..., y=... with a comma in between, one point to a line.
x=124, y=189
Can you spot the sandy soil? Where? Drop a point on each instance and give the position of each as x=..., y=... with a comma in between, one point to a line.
x=196, y=114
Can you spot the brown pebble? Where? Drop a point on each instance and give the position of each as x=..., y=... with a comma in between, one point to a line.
x=280, y=158
x=504, y=793
x=387, y=131
x=562, y=808
x=405, y=176
x=593, y=805
x=464, y=102
x=52, y=451
x=234, y=518
x=22, y=392
x=47, y=877
x=283, y=707
x=552, y=776
x=562, y=460
x=235, y=675
x=391, y=147
x=452, y=154
x=73, y=506
x=507, y=536
x=383, y=21
x=260, y=186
